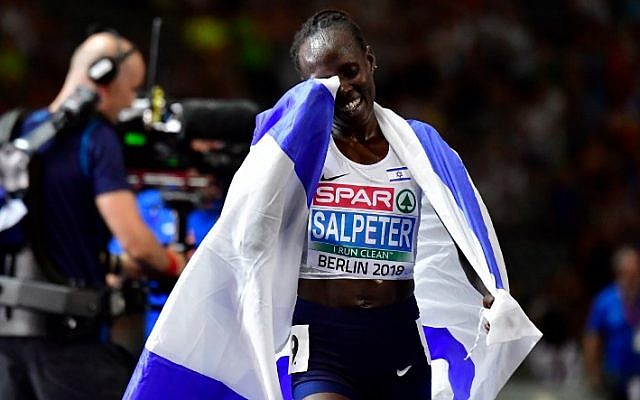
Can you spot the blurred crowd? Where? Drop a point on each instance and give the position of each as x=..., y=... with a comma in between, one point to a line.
x=540, y=98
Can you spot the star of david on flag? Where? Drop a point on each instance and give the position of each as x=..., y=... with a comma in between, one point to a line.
x=398, y=174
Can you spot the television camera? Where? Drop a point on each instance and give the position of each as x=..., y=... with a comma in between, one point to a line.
x=178, y=147
x=170, y=146
x=174, y=152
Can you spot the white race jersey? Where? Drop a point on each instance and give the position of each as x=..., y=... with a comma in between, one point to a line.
x=363, y=221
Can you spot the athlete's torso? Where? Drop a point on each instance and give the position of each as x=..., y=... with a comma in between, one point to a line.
x=362, y=234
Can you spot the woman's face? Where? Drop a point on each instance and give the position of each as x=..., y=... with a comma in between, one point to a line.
x=332, y=52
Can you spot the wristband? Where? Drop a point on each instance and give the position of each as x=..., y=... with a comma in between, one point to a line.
x=172, y=269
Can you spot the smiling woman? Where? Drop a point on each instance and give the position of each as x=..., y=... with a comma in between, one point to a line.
x=353, y=209
x=362, y=244
x=359, y=202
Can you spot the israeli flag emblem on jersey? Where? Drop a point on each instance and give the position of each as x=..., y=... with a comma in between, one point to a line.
x=398, y=174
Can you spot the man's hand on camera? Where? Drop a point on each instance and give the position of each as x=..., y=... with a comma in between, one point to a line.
x=130, y=267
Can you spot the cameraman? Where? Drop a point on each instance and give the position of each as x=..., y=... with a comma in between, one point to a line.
x=81, y=190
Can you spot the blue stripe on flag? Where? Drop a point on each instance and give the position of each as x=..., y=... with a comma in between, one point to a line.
x=450, y=169
x=285, y=379
x=156, y=377
x=461, y=372
x=300, y=122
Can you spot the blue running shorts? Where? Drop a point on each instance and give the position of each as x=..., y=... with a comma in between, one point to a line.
x=368, y=354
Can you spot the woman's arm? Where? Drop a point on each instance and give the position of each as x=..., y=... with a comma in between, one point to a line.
x=474, y=279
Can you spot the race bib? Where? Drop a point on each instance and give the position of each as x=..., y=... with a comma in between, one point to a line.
x=299, y=346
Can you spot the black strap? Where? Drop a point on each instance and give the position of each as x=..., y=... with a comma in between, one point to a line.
x=32, y=223
x=9, y=124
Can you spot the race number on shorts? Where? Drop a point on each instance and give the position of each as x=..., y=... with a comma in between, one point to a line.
x=299, y=345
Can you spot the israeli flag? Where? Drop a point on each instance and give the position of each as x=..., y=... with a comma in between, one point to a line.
x=398, y=174
x=228, y=318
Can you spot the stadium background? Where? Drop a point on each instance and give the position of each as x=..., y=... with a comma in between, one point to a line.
x=540, y=98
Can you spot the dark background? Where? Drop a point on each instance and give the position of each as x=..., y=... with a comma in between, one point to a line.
x=540, y=98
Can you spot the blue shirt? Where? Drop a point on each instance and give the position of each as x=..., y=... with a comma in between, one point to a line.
x=77, y=166
x=200, y=221
x=608, y=319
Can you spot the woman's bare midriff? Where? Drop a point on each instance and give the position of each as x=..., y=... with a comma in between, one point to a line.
x=354, y=293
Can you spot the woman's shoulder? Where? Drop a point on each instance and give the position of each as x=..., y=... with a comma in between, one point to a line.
x=424, y=130
x=417, y=124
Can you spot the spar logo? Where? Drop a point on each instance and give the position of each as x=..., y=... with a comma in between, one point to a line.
x=406, y=201
x=355, y=197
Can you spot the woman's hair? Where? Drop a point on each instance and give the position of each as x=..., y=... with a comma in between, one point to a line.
x=325, y=19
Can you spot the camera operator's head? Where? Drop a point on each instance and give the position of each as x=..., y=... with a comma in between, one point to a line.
x=112, y=66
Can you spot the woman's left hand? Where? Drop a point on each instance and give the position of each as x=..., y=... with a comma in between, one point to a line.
x=487, y=300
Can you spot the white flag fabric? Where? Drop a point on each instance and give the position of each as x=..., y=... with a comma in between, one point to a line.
x=229, y=316
x=11, y=213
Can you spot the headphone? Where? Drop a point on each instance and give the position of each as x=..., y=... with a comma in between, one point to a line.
x=104, y=70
